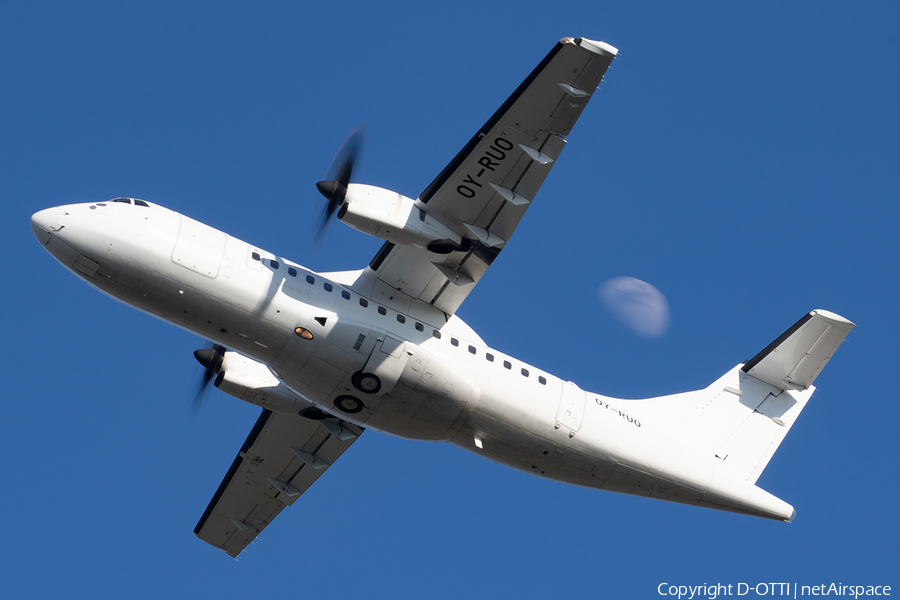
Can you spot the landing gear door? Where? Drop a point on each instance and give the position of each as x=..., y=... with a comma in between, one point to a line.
x=571, y=408
x=387, y=362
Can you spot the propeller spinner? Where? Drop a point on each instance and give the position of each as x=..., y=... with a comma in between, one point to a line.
x=335, y=187
x=211, y=359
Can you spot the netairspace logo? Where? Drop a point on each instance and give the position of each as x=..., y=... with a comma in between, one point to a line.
x=790, y=590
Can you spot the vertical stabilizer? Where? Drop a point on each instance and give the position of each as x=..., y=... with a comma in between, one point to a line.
x=741, y=419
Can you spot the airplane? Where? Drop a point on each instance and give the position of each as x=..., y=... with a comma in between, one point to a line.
x=327, y=355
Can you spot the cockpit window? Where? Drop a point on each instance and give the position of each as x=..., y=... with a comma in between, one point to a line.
x=129, y=201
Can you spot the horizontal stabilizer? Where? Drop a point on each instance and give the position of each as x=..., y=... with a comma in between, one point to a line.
x=796, y=358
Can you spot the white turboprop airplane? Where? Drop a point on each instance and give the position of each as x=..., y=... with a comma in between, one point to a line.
x=328, y=354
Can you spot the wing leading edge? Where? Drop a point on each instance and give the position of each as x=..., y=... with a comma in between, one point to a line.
x=486, y=189
x=281, y=458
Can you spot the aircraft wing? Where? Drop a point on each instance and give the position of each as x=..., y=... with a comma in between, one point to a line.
x=486, y=189
x=281, y=458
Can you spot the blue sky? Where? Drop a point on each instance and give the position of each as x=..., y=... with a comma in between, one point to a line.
x=742, y=158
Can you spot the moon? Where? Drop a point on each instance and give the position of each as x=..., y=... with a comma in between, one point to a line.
x=637, y=304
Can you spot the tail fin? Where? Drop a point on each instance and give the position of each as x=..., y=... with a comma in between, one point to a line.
x=742, y=418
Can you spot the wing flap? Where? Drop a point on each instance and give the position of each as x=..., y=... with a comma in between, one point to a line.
x=266, y=476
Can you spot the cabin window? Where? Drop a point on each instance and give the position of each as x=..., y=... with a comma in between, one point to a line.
x=472, y=350
x=382, y=310
x=401, y=319
x=255, y=256
x=507, y=364
x=436, y=334
x=454, y=342
x=489, y=357
x=328, y=287
x=542, y=380
x=420, y=327
x=525, y=372
x=292, y=271
x=345, y=294
x=363, y=302
x=310, y=279
x=274, y=264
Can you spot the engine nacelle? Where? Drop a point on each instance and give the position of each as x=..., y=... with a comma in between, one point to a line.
x=253, y=382
x=395, y=218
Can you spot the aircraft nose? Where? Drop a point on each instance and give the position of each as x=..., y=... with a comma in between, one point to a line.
x=43, y=223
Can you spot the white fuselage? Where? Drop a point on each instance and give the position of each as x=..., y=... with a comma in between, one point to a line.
x=439, y=380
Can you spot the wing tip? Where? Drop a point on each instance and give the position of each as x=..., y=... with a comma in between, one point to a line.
x=592, y=45
x=836, y=318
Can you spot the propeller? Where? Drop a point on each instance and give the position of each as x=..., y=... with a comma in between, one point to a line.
x=211, y=359
x=335, y=187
